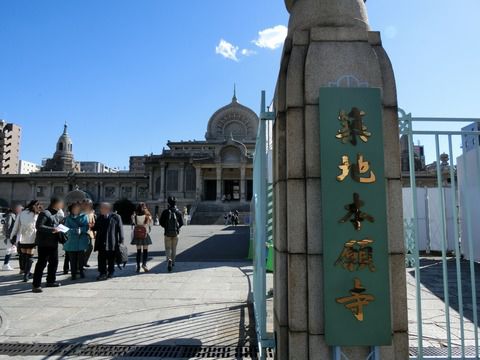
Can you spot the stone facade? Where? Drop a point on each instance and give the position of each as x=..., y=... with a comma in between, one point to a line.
x=99, y=187
x=329, y=43
x=218, y=168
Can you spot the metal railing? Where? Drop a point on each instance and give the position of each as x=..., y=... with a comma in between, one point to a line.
x=261, y=224
x=426, y=270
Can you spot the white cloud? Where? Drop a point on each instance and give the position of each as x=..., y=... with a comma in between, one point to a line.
x=248, y=52
x=227, y=50
x=271, y=38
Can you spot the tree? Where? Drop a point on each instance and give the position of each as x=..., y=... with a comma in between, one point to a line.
x=125, y=208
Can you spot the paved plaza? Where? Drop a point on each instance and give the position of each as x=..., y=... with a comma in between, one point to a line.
x=433, y=305
x=205, y=301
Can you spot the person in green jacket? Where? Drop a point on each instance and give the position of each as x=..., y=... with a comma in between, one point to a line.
x=77, y=239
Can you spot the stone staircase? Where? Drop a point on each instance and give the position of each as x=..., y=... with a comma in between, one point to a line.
x=212, y=212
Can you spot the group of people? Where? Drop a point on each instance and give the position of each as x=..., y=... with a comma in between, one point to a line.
x=81, y=231
x=232, y=218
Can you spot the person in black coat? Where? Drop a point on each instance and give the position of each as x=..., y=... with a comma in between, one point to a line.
x=47, y=239
x=109, y=235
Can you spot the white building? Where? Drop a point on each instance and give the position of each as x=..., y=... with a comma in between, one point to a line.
x=27, y=167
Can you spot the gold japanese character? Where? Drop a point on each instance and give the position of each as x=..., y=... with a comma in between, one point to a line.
x=357, y=255
x=360, y=171
x=352, y=126
x=357, y=301
x=355, y=215
x=344, y=167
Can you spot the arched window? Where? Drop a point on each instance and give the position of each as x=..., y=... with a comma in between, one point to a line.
x=230, y=155
x=60, y=146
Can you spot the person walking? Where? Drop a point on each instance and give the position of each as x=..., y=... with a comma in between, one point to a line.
x=77, y=239
x=172, y=221
x=142, y=226
x=87, y=209
x=25, y=232
x=47, y=238
x=10, y=241
x=109, y=235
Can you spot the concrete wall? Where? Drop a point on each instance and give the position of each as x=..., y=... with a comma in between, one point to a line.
x=327, y=40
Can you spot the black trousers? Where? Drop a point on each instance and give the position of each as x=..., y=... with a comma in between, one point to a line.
x=77, y=260
x=88, y=252
x=66, y=262
x=46, y=255
x=106, y=262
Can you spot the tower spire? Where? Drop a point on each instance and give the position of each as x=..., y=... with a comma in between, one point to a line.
x=65, y=126
x=234, y=99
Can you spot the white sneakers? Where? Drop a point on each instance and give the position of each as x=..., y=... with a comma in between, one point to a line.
x=7, y=267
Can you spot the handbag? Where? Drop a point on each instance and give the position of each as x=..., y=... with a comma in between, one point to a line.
x=121, y=255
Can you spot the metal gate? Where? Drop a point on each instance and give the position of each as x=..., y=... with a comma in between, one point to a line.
x=442, y=287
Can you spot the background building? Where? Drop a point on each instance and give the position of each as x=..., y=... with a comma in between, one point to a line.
x=95, y=167
x=27, y=167
x=470, y=141
x=10, y=135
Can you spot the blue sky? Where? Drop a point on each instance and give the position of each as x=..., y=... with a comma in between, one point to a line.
x=129, y=75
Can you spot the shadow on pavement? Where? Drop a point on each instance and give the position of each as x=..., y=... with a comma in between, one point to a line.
x=431, y=277
x=227, y=326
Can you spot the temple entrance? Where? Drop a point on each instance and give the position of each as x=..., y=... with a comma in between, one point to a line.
x=210, y=190
x=249, y=193
x=231, y=190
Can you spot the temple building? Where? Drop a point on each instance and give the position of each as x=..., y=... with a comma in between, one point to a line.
x=209, y=176
x=218, y=168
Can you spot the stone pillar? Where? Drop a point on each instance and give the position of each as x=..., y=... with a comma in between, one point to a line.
x=329, y=43
x=181, y=179
x=34, y=189
x=135, y=191
x=199, y=183
x=242, y=183
x=50, y=189
x=162, y=183
x=151, y=184
x=219, y=182
x=101, y=191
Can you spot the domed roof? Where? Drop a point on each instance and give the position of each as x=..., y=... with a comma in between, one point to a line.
x=64, y=143
x=233, y=121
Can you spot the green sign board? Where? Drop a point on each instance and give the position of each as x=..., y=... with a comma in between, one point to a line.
x=354, y=220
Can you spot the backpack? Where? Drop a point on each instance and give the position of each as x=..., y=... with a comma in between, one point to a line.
x=172, y=224
x=139, y=231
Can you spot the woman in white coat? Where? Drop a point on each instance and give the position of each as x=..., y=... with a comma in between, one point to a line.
x=25, y=231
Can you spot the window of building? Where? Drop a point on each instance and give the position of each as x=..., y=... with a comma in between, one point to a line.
x=109, y=192
x=190, y=179
x=142, y=192
x=127, y=192
x=172, y=180
x=40, y=191
x=58, y=190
